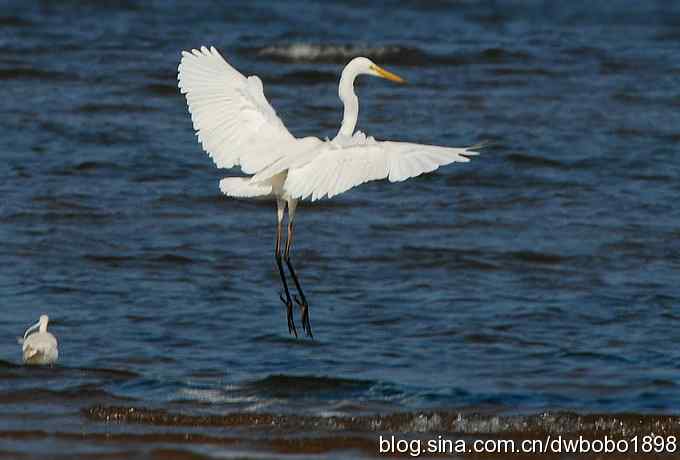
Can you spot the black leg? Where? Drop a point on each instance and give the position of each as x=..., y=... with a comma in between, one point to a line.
x=302, y=300
x=287, y=301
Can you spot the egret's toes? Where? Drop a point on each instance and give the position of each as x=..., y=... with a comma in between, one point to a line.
x=291, y=326
x=307, y=326
x=289, y=307
x=304, y=308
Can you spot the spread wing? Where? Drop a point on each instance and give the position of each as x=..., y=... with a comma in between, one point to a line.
x=337, y=169
x=232, y=118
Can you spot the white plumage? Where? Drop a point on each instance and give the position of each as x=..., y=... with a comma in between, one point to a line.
x=242, y=187
x=231, y=116
x=238, y=127
x=337, y=169
x=39, y=347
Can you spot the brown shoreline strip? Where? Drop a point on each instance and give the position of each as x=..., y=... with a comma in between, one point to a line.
x=564, y=423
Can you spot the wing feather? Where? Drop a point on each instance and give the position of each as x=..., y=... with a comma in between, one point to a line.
x=334, y=169
x=233, y=120
x=241, y=187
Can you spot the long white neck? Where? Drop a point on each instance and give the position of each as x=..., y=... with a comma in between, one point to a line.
x=349, y=100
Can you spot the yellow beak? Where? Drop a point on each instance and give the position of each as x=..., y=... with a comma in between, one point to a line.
x=388, y=75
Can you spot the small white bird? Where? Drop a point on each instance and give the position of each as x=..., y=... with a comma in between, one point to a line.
x=238, y=127
x=40, y=347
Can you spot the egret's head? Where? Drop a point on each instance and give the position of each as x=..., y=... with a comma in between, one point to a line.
x=362, y=65
x=41, y=325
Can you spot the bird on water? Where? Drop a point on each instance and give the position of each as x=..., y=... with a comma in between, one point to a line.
x=237, y=126
x=39, y=347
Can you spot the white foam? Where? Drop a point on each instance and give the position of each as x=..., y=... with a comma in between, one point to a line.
x=314, y=52
x=213, y=396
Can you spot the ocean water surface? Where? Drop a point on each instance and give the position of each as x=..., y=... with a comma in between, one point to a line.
x=532, y=290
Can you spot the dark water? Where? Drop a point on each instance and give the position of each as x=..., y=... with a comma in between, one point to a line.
x=515, y=294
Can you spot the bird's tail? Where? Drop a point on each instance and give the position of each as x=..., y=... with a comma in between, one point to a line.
x=241, y=187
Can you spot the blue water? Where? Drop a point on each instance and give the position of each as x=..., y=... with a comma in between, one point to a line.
x=541, y=276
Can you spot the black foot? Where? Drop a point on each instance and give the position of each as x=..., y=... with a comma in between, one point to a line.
x=304, y=308
x=289, y=305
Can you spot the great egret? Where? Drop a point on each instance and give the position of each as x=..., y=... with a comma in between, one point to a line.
x=238, y=127
x=40, y=347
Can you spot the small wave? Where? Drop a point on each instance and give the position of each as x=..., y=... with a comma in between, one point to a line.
x=160, y=89
x=616, y=67
x=117, y=260
x=413, y=257
x=503, y=55
x=287, y=385
x=85, y=167
x=536, y=257
x=159, y=177
x=484, y=84
x=585, y=51
x=85, y=217
x=289, y=341
x=93, y=165
x=25, y=73
x=173, y=259
x=9, y=369
x=114, y=108
x=305, y=77
x=634, y=98
x=108, y=259
x=667, y=178
x=79, y=393
x=14, y=21
x=422, y=256
x=521, y=159
x=518, y=72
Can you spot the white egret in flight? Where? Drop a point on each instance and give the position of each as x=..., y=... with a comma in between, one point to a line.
x=39, y=347
x=238, y=127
